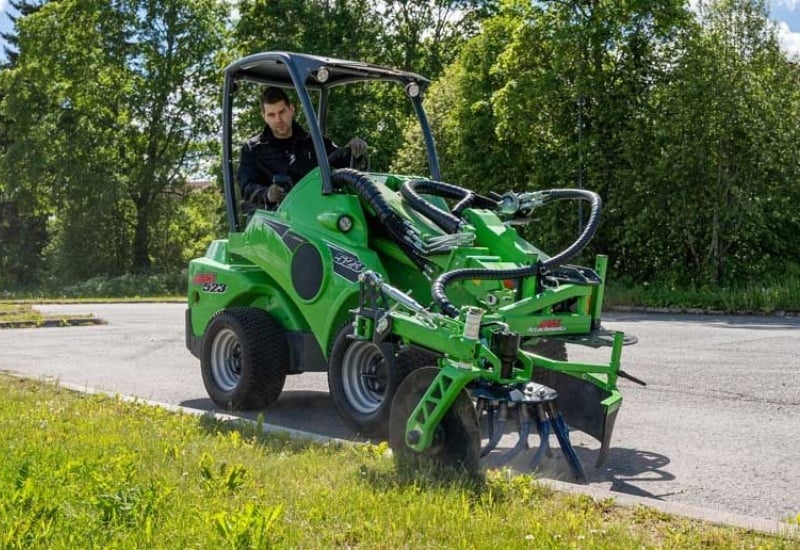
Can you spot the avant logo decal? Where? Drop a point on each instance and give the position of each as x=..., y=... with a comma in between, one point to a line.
x=204, y=278
x=548, y=325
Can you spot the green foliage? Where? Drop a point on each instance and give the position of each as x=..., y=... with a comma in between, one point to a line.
x=684, y=121
x=187, y=229
x=768, y=296
x=126, y=285
x=21, y=236
x=251, y=527
x=725, y=173
x=685, y=125
x=107, y=123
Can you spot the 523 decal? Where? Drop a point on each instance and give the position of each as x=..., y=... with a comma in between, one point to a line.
x=208, y=282
x=215, y=288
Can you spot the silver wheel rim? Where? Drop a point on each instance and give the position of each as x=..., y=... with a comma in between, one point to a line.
x=226, y=360
x=365, y=376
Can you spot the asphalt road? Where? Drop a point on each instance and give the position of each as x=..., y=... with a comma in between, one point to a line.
x=718, y=425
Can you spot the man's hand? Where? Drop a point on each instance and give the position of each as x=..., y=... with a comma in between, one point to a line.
x=357, y=146
x=275, y=193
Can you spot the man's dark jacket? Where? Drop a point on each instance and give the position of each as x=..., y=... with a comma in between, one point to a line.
x=264, y=156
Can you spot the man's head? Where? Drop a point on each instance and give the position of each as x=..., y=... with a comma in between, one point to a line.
x=277, y=111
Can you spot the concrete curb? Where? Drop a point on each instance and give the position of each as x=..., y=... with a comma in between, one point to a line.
x=267, y=428
x=49, y=323
x=718, y=517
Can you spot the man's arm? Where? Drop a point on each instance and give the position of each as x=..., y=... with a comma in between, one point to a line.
x=252, y=180
x=340, y=157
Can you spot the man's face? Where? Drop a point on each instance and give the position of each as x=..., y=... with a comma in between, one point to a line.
x=278, y=117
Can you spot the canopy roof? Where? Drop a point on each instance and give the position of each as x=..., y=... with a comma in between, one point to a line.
x=277, y=68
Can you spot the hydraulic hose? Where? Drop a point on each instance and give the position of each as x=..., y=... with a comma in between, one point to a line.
x=442, y=281
x=449, y=222
x=401, y=230
x=366, y=189
x=588, y=232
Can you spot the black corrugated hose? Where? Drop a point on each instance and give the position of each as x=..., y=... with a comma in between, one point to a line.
x=449, y=222
x=441, y=282
x=401, y=230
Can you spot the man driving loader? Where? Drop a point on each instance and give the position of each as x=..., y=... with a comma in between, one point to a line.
x=282, y=153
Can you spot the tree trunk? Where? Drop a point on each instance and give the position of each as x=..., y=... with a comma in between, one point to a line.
x=141, y=244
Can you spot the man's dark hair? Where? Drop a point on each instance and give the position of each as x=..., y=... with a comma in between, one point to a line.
x=274, y=95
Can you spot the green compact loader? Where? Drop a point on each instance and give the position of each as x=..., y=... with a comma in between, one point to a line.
x=436, y=322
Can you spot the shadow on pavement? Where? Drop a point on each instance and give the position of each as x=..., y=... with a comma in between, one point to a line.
x=630, y=470
x=308, y=411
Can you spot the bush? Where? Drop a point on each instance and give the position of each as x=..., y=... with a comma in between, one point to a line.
x=128, y=285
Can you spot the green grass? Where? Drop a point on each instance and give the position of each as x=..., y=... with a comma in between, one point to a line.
x=83, y=471
x=14, y=314
x=758, y=298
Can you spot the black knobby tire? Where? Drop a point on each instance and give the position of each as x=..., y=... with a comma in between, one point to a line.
x=245, y=358
x=363, y=378
x=411, y=358
x=457, y=440
x=552, y=349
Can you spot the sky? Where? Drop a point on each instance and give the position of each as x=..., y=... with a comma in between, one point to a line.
x=786, y=14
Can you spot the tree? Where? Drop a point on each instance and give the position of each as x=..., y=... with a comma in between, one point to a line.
x=110, y=119
x=555, y=95
x=460, y=110
x=426, y=36
x=23, y=232
x=726, y=133
x=22, y=8
x=686, y=126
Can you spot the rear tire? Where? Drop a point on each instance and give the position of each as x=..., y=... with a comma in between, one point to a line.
x=244, y=359
x=552, y=349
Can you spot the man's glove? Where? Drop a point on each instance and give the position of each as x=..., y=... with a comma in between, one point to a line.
x=357, y=146
x=259, y=196
x=275, y=193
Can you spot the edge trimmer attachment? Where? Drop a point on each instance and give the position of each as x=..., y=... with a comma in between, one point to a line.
x=456, y=438
x=529, y=402
x=433, y=418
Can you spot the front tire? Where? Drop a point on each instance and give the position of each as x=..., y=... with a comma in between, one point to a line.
x=363, y=378
x=245, y=358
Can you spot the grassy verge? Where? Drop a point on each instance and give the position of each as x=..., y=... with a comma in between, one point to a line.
x=84, y=471
x=22, y=314
x=762, y=298
x=14, y=312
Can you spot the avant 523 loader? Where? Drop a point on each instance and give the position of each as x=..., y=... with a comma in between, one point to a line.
x=419, y=298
